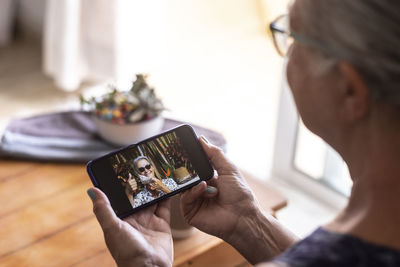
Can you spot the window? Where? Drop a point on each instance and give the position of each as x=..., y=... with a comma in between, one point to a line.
x=305, y=160
x=319, y=161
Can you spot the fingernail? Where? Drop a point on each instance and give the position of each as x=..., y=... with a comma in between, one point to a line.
x=211, y=190
x=204, y=139
x=91, y=193
x=199, y=184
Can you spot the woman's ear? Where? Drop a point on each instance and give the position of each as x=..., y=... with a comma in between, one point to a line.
x=356, y=102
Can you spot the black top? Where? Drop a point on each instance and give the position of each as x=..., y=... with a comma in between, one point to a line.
x=325, y=248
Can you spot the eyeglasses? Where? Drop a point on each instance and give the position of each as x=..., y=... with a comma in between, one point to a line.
x=283, y=37
x=141, y=169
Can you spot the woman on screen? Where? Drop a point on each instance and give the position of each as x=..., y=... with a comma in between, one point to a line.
x=153, y=187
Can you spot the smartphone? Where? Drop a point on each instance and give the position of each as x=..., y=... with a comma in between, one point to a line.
x=154, y=169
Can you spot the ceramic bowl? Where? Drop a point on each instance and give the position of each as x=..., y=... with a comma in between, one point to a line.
x=128, y=134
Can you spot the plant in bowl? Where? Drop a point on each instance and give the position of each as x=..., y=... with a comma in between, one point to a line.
x=126, y=117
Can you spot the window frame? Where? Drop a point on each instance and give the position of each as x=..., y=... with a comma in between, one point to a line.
x=283, y=166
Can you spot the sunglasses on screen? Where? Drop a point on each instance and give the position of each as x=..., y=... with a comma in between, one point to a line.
x=141, y=169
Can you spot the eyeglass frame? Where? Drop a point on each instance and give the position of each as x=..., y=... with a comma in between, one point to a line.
x=274, y=29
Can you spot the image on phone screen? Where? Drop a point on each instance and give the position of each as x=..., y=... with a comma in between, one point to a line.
x=153, y=169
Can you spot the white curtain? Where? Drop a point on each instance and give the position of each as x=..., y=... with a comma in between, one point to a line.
x=101, y=40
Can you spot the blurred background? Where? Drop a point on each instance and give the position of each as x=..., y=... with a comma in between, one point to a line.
x=211, y=61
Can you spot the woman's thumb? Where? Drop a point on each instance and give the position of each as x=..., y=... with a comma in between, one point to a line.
x=102, y=209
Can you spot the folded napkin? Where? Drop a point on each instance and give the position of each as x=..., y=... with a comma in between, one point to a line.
x=68, y=136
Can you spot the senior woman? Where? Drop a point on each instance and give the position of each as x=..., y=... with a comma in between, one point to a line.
x=344, y=73
x=153, y=187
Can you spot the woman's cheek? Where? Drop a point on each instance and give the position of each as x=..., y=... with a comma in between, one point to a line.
x=289, y=73
x=292, y=70
x=292, y=77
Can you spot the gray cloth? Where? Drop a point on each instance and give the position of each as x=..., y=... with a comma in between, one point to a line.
x=68, y=136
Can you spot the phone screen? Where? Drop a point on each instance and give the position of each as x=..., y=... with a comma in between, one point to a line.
x=142, y=174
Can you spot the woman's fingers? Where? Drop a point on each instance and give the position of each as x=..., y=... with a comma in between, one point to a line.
x=102, y=209
x=189, y=197
x=213, y=181
x=211, y=192
x=164, y=210
x=192, y=196
x=217, y=157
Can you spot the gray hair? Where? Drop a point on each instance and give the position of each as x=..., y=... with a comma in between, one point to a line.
x=135, y=161
x=366, y=33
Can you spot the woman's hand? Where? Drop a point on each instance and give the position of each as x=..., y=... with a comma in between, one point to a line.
x=142, y=239
x=151, y=186
x=217, y=209
x=227, y=208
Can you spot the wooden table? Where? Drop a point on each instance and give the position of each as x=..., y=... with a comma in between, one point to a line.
x=46, y=219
